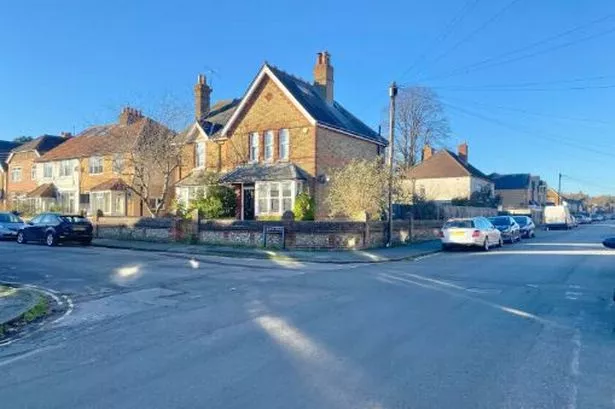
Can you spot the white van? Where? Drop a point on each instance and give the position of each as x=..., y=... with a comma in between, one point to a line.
x=558, y=217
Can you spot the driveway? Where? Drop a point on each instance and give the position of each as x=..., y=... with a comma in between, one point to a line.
x=527, y=326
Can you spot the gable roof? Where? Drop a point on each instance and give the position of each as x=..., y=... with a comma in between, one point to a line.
x=311, y=104
x=41, y=145
x=102, y=140
x=5, y=151
x=213, y=123
x=511, y=181
x=444, y=164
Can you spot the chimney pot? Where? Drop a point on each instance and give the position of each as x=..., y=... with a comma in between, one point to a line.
x=129, y=116
x=202, y=94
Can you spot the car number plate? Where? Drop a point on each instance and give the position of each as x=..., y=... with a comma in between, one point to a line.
x=458, y=233
x=79, y=228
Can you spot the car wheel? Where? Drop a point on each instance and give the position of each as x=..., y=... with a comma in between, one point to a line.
x=501, y=242
x=532, y=234
x=486, y=245
x=50, y=239
x=21, y=239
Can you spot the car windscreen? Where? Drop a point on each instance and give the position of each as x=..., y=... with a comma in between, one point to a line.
x=9, y=218
x=521, y=220
x=500, y=221
x=459, y=224
x=74, y=219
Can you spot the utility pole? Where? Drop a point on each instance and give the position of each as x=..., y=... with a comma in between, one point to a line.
x=559, y=189
x=392, y=95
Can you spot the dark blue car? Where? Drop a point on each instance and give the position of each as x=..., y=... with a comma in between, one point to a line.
x=53, y=228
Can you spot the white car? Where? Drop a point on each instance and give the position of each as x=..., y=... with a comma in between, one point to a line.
x=470, y=232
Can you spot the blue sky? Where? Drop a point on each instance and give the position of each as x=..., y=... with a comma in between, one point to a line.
x=66, y=65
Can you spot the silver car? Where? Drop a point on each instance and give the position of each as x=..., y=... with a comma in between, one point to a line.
x=9, y=225
x=470, y=232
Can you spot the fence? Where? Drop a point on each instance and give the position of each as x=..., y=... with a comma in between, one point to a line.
x=297, y=235
x=439, y=211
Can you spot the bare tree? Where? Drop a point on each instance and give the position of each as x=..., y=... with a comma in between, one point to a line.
x=153, y=151
x=419, y=120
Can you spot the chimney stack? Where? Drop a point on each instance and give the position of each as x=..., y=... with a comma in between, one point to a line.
x=462, y=152
x=66, y=135
x=202, y=93
x=427, y=152
x=323, y=76
x=129, y=116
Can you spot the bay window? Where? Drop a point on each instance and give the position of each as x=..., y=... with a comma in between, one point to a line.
x=275, y=197
x=111, y=203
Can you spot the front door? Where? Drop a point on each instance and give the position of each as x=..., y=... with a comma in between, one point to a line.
x=248, y=202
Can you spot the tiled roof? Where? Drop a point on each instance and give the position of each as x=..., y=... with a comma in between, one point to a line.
x=331, y=114
x=444, y=164
x=195, y=178
x=5, y=150
x=115, y=185
x=511, y=181
x=213, y=123
x=254, y=173
x=46, y=190
x=102, y=140
x=41, y=144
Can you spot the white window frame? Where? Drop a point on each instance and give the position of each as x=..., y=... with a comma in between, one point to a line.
x=199, y=155
x=268, y=146
x=33, y=172
x=266, y=187
x=66, y=168
x=254, y=146
x=117, y=164
x=47, y=167
x=94, y=167
x=284, y=144
x=16, y=174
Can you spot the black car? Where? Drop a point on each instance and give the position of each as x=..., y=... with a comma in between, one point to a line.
x=526, y=225
x=508, y=227
x=53, y=228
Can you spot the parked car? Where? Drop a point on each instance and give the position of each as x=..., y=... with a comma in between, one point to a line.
x=557, y=217
x=53, y=228
x=526, y=225
x=508, y=227
x=10, y=223
x=582, y=218
x=470, y=232
x=575, y=222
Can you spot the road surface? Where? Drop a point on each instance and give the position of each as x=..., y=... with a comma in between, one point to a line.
x=527, y=326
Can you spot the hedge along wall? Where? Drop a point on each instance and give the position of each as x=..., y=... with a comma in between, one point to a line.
x=297, y=235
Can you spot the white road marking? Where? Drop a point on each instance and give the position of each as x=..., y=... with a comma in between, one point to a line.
x=575, y=368
x=27, y=355
x=68, y=311
x=573, y=295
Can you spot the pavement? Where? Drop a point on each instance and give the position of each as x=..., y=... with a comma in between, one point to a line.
x=14, y=302
x=397, y=253
x=527, y=326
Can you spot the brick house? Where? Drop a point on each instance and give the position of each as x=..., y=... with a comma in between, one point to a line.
x=444, y=175
x=22, y=169
x=89, y=172
x=5, y=150
x=520, y=190
x=284, y=136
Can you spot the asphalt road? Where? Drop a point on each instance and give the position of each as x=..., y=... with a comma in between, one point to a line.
x=527, y=326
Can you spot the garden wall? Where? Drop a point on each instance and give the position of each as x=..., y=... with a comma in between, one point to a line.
x=297, y=235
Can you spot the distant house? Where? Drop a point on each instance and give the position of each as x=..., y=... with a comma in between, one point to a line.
x=22, y=168
x=5, y=150
x=519, y=190
x=574, y=205
x=444, y=175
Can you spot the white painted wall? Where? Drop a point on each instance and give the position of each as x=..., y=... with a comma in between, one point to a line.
x=446, y=189
x=62, y=183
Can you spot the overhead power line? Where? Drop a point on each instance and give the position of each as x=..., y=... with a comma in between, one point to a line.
x=444, y=34
x=483, y=26
x=489, y=88
x=497, y=60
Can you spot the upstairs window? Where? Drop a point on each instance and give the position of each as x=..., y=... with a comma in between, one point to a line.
x=48, y=170
x=254, y=147
x=199, y=154
x=66, y=168
x=96, y=165
x=283, y=142
x=269, y=145
x=118, y=163
x=33, y=172
x=16, y=175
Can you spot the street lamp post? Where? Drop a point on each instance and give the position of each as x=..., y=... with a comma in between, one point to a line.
x=392, y=95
